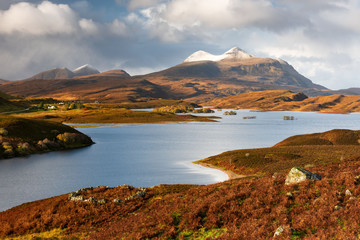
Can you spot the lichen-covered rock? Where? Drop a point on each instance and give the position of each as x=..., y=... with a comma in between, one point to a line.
x=91, y=200
x=348, y=192
x=117, y=200
x=77, y=199
x=102, y=201
x=73, y=194
x=282, y=230
x=297, y=175
x=139, y=194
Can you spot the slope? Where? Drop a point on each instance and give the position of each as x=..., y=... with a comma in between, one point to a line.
x=280, y=100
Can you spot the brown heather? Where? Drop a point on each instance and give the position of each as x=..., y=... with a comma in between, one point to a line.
x=239, y=209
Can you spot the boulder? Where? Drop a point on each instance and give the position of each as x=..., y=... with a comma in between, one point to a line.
x=117, y=200
x=282, y=230
x=297, y=175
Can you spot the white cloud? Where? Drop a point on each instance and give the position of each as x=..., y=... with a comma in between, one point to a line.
x=45, y=18
x=88, y=26
x=118, y=28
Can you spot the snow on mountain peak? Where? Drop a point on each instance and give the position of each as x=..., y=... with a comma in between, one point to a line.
x=237, y=53
x=86, y=66
x=234, y=53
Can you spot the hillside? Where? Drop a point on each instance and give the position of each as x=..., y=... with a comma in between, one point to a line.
x=289, y=101
x=301, y=150
x=64, y=73
x=8, y=106
x=245, y=208
x=201, y=77
x=95, y=88
x=19, y=137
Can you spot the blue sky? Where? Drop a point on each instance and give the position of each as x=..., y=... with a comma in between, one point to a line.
x=319, y=38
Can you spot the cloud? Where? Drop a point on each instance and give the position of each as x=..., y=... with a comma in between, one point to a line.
x=138, y=4
x=45, y=18
x=119, y=28
x=319, y=38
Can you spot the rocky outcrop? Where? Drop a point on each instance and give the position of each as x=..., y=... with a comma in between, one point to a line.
x=297, y=175
x=77, y=197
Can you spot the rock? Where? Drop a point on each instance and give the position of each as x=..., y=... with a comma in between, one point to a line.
x=91, y=200
x=297, y=175
x=84, y=189
x=102, y=201
x=77, y=199
x=290, y=195
x=117, y=200
x=125, y=186
x=338, y=207
x=73, y=194
x=348, y=192
x=139, y=194
x=357, y=180
x=282, y=229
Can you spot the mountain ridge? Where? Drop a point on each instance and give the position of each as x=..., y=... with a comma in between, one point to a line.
x=199, y=78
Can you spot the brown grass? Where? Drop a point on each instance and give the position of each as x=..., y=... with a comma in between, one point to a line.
x=280, y=100
x=240, y=209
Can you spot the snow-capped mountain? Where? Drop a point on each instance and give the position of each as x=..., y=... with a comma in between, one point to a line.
x=234, y=53
x=85, y=70
x=64, y=73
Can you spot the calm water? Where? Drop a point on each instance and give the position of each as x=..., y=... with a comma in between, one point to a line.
x=152, y=154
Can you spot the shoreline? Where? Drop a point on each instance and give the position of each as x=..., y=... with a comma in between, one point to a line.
x=231, y=175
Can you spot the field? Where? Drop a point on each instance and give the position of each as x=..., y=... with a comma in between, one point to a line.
x=301, y=150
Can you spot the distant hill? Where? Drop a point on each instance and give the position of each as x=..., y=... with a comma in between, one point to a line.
x=201, y=77
x=56, y=73
x=282, y=100
x=92, y=88
x=64, y=73
x=333, y=137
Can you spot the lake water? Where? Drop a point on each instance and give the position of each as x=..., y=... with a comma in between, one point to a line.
x=152, y=154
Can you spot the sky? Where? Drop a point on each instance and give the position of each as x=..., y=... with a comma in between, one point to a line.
x=319, y=38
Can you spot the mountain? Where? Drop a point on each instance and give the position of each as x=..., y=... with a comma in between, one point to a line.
x=204, y=76
x=56, y=73
x=64, y=73
x=233, y=54
x=85, y=70
x=199, y=78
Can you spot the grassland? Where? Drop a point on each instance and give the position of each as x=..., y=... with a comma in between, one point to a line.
x=283, y=100
x=109, y=115
x=301, y=150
